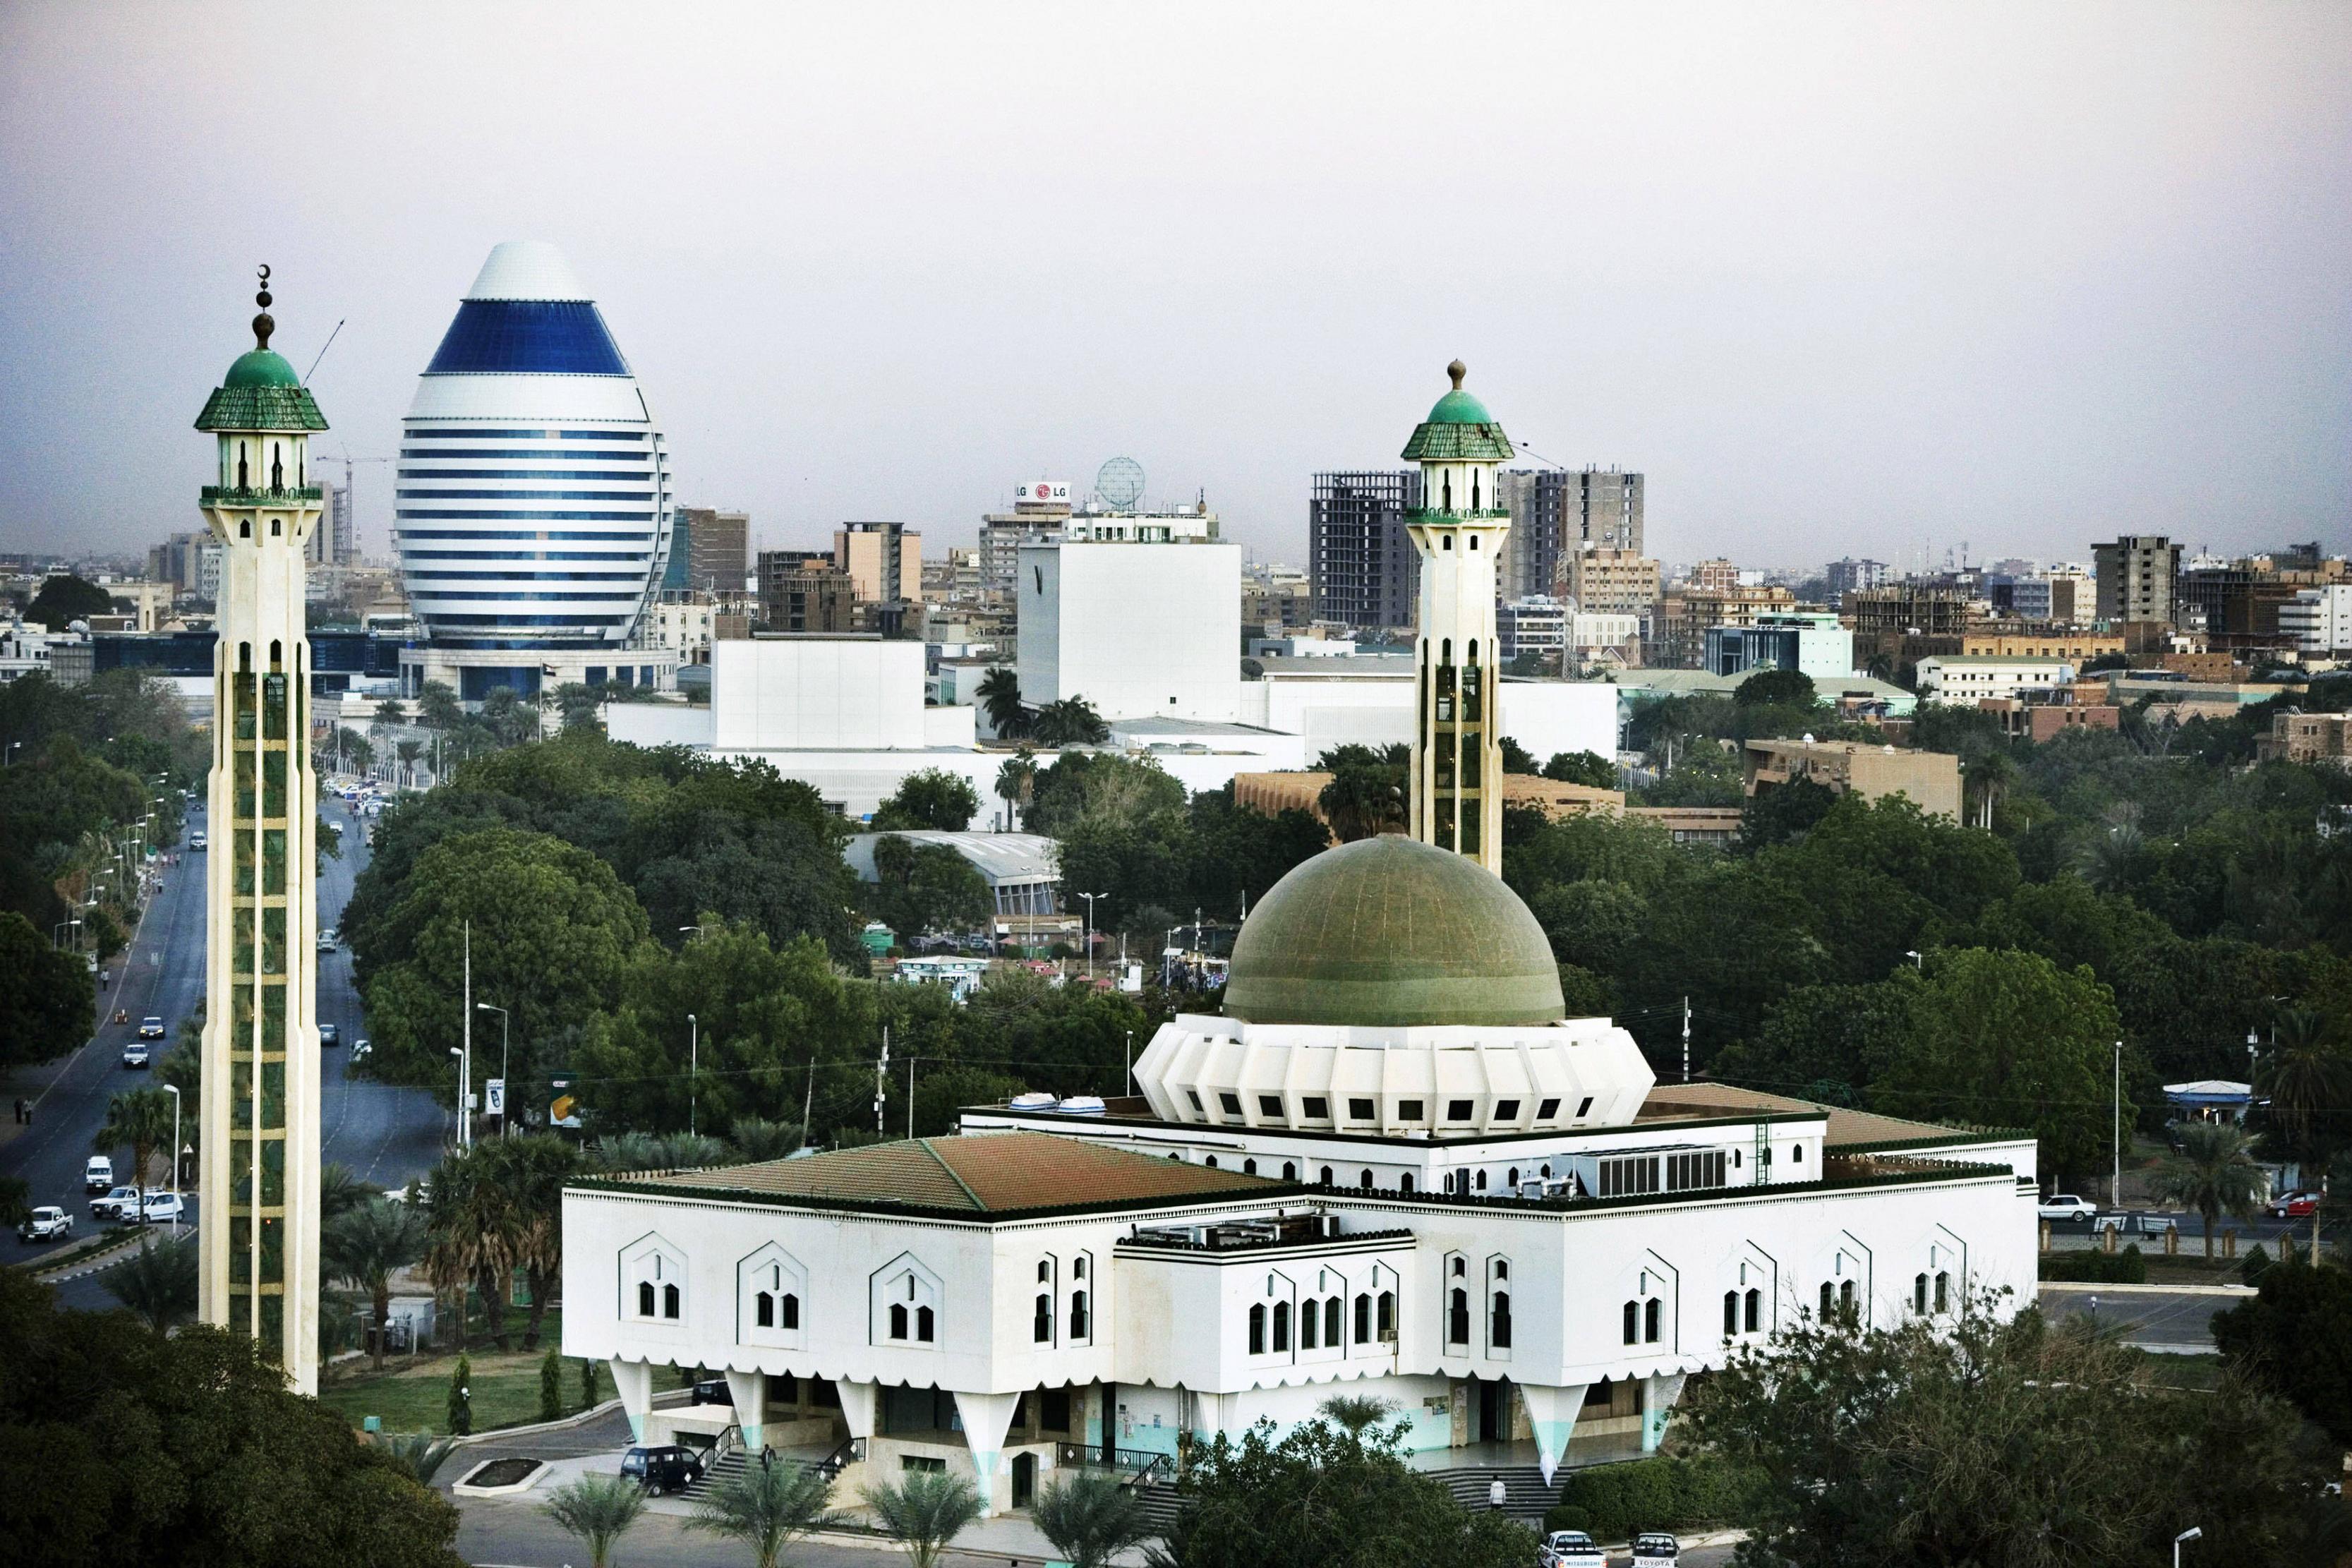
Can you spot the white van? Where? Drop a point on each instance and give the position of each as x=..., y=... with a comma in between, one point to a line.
x=99, y=1175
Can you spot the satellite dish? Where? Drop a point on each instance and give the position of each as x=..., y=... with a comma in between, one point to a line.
x=1119, y=484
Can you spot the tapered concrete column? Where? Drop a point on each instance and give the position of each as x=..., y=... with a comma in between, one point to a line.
x=1658, y=1397
x=634, y=1382
x=1551, y=1415
x=856, y=1406
x=749, y=1390
x=986, y=1419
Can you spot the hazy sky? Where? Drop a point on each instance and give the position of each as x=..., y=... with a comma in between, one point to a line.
x=1839, y=279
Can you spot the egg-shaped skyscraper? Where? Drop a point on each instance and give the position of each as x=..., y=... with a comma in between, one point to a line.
x=532, y=500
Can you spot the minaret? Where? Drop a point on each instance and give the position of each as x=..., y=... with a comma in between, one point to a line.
x=258, y=1265
x=1457, y=748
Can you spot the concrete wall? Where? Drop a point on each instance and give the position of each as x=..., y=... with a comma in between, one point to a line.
x=1544, y=716
x=1140, y=630
x=821, y=693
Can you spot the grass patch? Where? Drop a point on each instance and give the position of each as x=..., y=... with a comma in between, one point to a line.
x=414, y=1397
x=2200, y=1372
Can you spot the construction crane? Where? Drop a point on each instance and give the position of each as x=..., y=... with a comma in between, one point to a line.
x=350, y=490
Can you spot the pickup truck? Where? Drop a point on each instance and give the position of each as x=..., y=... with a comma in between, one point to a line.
x=122, y=1203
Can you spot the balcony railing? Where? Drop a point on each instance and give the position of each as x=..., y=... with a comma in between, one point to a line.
x=1135, y=1467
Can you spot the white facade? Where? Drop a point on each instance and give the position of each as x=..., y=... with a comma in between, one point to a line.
x=816, y=694
x=2319, y=620
x=1140, y=630
x=1962, y=678
x=1366, y=701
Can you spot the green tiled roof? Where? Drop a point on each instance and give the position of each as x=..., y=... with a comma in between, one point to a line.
x=1458, y=430
x=260, y=406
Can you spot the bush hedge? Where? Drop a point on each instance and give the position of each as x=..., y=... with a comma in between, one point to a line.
x=2096, y=1268
x=1610, y=1502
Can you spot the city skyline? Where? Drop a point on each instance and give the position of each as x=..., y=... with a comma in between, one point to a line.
x=2019, y=278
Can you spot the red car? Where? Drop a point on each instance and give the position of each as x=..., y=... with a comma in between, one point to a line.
x=2294, y=1205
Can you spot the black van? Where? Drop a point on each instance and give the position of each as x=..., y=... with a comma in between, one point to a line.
x=659, y=1470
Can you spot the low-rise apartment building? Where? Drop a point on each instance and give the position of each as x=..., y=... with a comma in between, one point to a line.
x=1966, y=680
x=1931, y=779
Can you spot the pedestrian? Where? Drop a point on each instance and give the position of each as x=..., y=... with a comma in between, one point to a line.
x=20, y=1108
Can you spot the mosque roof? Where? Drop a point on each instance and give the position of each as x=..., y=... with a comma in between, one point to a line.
x=1458, y=430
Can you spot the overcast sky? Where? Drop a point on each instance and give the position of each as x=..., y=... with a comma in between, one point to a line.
x=1841, y=279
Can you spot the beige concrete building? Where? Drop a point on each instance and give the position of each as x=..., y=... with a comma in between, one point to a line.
x=2075, y=647
x=1931, y=779
x=1618, y=582
x=801, y=593
x=2307, y=738
x=884, y=560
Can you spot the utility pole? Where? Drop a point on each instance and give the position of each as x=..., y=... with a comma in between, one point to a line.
x=910, y=1096
x=1090, y=899
x=1686, y=1039
x=808, y=1105
x=881, y=1068
x=2115, y=1187
x=466, y=1061
x=693, y=1069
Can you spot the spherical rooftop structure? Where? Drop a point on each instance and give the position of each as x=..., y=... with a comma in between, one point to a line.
x=1391, y=930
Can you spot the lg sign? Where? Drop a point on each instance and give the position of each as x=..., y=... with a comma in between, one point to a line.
x=1042, y=491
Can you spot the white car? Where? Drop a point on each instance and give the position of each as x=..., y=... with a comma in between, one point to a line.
x=120, y=1204
x=1657, y=1549
x=2066, y=1208
x=1569, y=1549
x=99, y=1175
x=47, y=1224
x=135, y=1054
x=197, y=841
x=162, y=1209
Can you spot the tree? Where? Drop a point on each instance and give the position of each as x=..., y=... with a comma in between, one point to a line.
x=421, y=1453
x=924, y=1513
x=1367, y=794
x=140, y=1118
x=1323, y=1495
x=1015, y=783
x=367, y=1246
x=15, y=1200
x=158, y=1283
x=1069, y=722
x=46, y=997
x=407, y=751
x=1000, y=696
x=2294, y=1336
x=1970, y=1440
x=1775, y=687
x=931, y=798
x=461, y=1396
x=598, y=1510
x=531, y=1172
x=588, y=1400
x=551, y=1386
x=767, y=1507
x=339, y=1190
x=1356, y=1413
x=1517, y=758
x=2214, y=1173
x=2306, y=1084
x=925, y=887
x=67, y=598
x=187, y=1449
x=475, y=1232
x=1783, y=814
x=358, y=750
x=1091, y=1517
x=1588, y=768
x=438, y=706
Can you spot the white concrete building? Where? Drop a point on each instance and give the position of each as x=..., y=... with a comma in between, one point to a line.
x=1956, y=677
x=2319, y=620
x=1389, y=1167
x=1142, y=630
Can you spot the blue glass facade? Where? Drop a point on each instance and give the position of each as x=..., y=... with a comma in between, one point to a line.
x=526, y=337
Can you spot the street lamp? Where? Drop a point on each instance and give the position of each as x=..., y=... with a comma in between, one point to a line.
x=505, y=1120
x=693, y=1069
x=175, y=1157
x=2194, y=1533
x=1090, y=899
x=1917, y=961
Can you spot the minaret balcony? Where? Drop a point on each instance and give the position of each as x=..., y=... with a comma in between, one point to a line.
x=232, y=495
x=1436, y=515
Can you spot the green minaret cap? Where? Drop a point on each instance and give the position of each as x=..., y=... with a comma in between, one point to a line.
x=261, y=391
x=1458, y=430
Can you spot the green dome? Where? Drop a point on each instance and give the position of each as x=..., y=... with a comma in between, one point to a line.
x=1458, y=407
x=261, y=367
x=1391, y=931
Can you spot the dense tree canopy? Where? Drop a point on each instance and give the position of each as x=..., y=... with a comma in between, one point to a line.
x=929, y=798
x=45, y=995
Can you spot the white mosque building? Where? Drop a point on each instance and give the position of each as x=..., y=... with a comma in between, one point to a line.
x=1391, y=1166
x=531, y=498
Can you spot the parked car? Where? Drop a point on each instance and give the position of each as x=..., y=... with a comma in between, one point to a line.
x=47, y=1224
x=2297, y=1204
x=360, y=1050
x=120, y=1204
x=329, y=1034
x=713, y=1390
x=151, y=1027
x=1569, y=1549
x=664, y=1469
x=2066, y=1208
x=197, y=841
x=1657, y=1549
x=330, y=939
x=2136, y=1222
x=162, y=1209
x=134, y=1054
x=99, y=1175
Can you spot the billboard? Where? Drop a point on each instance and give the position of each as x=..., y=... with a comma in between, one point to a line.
x=1042, y=492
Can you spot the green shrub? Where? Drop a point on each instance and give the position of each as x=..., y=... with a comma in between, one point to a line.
x=1610, y=1502
x=2128, y=1266
x=550, y=1386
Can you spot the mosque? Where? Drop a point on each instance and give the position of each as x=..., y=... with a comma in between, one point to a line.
x=1391, y=1166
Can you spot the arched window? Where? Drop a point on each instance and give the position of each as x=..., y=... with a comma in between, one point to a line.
x=1079, y=1267
x=1249, y=1167
x=276, y=467
x=1257, y=1330
x=1331, y=1321
x=1920, y=1293
x=1445, y=491
x=1290, y=1170
x=1632, y=1323
x=1385, y=1311
x=1364, y=1180
x=1650, y=1313
x=1829, y=1297
x=1327, y=1175
x=645, y=1297
x=1731, y=1314
x=1041, y=1321
x=1482, y=1181
x=1943, y=1292
x=926, y=1323
x=897, y=1320
x=1282, y=1325
x=1363, y=1317
x=1498, y=1329
x=792, y=1311
x=244, y=528
x=1458, y=1317
x=240, y=466
x=669, y=1300
x=1045, y=1272
x=763, y=1309
x=1755, y=1309
x=1512, y=1180
x=1546, y=1172
x=1404, y=1183
x=1310, y=1324
x=1474, y=502
x=1213, y=1161
x=1503, y=1270
x=1078, y=1328
x=1845, y=1295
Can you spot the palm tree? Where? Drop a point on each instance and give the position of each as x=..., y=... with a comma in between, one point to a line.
x=767, y=1507
x=475, y=1234
x=143, y=1119
x=407, y=751
x=2108, y=859
x=2214, y=1173
x=756, y=1139
x=1987, y=778
x=1070, y=721
x=158, y=1284
x=15, y=1200
x=1091, y=1519
x=1016, y=781
x=1355, y=1411
x=367, y=1246
x=1360, y=802
x=2308, y=1079
x=533, y=1170
x=599, y=1510
x=924, y=1513
x=419, y=1453
x=339, y=1190
x=1000, y=694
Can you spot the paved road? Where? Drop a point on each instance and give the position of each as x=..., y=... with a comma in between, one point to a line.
x=2169, y=1317
x=384, y=1134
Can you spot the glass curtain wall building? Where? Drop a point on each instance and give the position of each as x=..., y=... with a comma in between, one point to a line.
x=532, y=498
